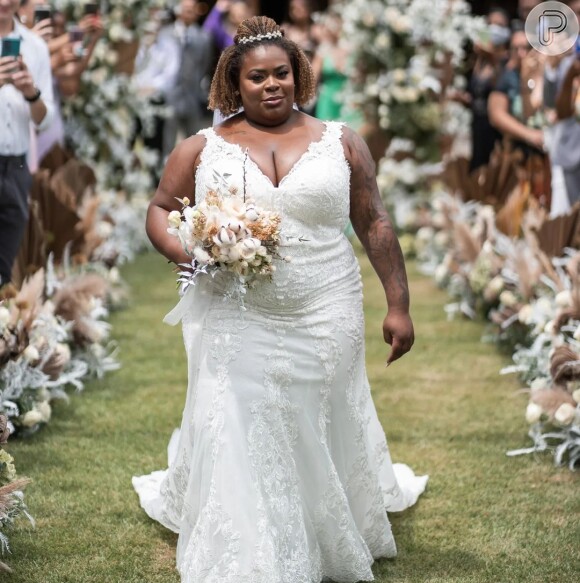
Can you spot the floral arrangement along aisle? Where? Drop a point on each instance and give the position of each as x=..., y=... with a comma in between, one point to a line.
x=11, y=499
x=531, y=300
x=405, y=55
x=100, y=119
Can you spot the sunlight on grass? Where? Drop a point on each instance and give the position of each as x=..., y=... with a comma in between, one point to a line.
x=484, y=518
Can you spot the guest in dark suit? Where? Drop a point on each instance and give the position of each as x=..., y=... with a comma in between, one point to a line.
x=187, y=98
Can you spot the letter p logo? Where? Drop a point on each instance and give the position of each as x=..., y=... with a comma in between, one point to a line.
x=552, y=22
x=552, y=28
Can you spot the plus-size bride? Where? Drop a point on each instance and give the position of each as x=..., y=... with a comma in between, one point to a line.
x=281, y=472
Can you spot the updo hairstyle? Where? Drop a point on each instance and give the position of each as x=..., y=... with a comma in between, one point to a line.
x=252, y=32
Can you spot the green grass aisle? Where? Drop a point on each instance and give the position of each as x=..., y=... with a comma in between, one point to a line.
x=485, y=517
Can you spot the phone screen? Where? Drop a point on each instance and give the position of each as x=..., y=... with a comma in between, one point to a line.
x=41, y=13
x=10, y=47
x=91, y=8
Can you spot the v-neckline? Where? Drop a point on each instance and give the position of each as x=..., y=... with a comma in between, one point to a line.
x=246, y=153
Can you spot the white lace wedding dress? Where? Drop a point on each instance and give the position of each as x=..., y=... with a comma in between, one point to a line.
x=281, y=472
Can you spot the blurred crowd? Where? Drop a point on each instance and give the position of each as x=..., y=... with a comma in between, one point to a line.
x=44, y=53
x=181, y=47
x=42, y=59
x=522, y=102
x=526, y=102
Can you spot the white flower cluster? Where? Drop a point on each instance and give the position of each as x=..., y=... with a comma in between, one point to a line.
x=400, y=46
x=53, y=358
x=224, y=232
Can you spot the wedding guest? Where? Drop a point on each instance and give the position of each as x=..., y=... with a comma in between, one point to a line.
x=510, y=102
x=187, y=97
x=329, y=67
x=490, y=59
x=299, y=26
x=223, y=21
x=156, y=69
x=69, y=59
x=25, y=95
x=568, y=150
x=557, y=65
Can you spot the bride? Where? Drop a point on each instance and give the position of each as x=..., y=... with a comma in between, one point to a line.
x=280, y=472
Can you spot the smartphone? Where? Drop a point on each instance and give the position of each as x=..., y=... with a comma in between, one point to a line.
x=42, y=12
x=10, y=47
x=75, y=34
x=91, y=8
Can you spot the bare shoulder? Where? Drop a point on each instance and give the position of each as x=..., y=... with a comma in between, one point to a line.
x=356, y=150
x=179, y=173
x=187, y=152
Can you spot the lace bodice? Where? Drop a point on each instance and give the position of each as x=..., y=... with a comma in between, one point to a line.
x=313, y=200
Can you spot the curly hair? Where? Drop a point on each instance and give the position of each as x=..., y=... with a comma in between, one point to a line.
x=224, y=94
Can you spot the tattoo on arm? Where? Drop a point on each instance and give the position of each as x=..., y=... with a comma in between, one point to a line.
x=373, y=226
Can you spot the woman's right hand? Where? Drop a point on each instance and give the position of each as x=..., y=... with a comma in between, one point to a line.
x=535, y=138
x=44, y=29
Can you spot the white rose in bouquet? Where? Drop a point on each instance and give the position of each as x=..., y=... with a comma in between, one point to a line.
x=174, y=219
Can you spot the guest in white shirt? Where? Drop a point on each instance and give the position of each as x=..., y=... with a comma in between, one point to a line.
x=156, y=68
x=25, y=95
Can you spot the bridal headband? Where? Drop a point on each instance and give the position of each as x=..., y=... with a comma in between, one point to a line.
x=259, y=37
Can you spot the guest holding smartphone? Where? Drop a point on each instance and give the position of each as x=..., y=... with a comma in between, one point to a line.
x=25, y=95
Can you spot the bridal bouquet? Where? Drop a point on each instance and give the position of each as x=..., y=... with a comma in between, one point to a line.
x=226, y=232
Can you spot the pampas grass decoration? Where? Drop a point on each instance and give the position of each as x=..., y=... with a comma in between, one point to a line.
x=564, y=365
x=550, y=400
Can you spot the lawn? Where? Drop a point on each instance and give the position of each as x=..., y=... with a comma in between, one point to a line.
x=485, y=518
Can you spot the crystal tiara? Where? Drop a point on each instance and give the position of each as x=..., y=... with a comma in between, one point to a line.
x=269, y=35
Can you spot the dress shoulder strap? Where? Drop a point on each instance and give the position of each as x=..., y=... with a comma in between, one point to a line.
x=334, y=129
x=331, y=141
x=208, y=133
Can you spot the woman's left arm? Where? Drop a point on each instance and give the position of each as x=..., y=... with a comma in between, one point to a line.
x=373, y=227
